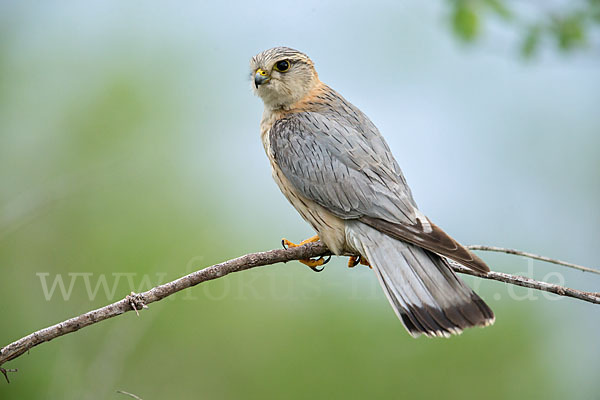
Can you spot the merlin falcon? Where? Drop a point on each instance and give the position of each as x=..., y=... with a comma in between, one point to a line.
x=336, y=169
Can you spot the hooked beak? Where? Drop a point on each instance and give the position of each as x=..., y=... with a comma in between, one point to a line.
x=260, y=77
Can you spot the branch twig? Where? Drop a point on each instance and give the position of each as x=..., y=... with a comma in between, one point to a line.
x=5, y=373
x=141, y=300
x=129, y=394
x=534, y=256
x=591, y=297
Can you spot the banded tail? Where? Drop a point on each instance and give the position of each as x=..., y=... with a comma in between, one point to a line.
x=422, y=288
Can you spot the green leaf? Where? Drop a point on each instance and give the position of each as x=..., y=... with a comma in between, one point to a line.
x=569, y=31
x=499, y=8
x=465, y=21
x=594, y=10
x=530, y=44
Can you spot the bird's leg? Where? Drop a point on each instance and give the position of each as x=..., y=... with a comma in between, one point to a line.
x=355, y=260
x=312, y=263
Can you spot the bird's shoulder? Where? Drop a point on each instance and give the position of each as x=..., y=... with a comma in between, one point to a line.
x=345, y=134
x=347, y=169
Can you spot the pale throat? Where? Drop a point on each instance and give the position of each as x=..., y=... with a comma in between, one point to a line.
x=289, y=95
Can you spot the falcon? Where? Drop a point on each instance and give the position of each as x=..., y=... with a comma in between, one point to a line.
x=336, y=169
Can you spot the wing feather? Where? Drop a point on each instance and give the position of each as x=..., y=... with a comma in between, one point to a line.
x=433, y=239
x=347, y=173
x=349, y=169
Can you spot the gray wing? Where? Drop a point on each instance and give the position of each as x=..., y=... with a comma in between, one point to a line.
x=349, y=171
x=346, y=167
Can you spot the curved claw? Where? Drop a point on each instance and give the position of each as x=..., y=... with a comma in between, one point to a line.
x=283, y=244
x=321, y=261
x=353, y=261
x=358, y=259
x=317, y=269
x=315, y=263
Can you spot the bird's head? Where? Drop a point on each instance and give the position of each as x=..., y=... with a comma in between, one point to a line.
x=281, y=76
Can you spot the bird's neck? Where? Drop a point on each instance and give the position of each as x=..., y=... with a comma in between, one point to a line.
x=312, y=101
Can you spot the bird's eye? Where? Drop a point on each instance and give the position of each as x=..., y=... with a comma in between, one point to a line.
x=282, y=66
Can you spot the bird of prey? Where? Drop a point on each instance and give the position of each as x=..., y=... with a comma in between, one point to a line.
x=336, y=169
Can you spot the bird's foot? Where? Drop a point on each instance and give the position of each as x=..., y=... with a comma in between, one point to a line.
x=355, y=260
x=286, y=243
x=313, y=264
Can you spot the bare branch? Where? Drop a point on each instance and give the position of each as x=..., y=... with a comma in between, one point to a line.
x=138, y=301
x=5, y=373
x=129, y=394
x=592, y=297
x=310, y=250
x=534, y=256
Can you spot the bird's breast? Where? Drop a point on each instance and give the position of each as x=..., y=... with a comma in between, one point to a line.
x=330, y=228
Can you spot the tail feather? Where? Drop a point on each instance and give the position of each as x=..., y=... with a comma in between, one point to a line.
x=424, y=291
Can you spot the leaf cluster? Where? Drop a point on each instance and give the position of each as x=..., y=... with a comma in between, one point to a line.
x=569, y=29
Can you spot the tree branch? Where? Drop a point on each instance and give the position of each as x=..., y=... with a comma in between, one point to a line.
x=534, y=256
x=135, y=302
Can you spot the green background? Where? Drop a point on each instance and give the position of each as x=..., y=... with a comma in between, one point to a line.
x=129, y=151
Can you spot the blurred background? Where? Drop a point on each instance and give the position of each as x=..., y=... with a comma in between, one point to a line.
x=130, y=155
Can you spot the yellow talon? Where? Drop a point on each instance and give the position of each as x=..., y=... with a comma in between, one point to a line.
x=313, y=264
x=355, y=260
x=287, y=243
